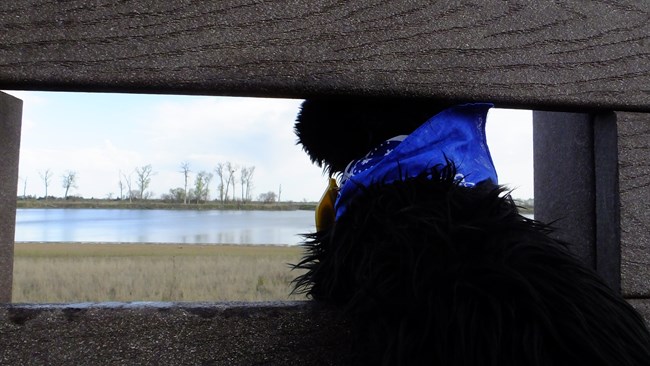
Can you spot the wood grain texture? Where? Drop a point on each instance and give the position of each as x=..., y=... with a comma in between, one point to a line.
x=634, y=182
x=10, y=125
x=557, y=55
x=178, y=334
x=173, y=334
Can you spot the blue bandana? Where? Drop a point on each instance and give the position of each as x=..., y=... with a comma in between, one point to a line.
x=456, y=134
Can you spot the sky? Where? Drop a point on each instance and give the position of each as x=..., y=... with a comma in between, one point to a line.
x=103, y=137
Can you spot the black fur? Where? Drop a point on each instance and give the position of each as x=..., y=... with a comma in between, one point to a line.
x=432, y=273
x=335, y=131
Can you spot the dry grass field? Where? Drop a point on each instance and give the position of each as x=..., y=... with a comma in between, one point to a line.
x=64, y=272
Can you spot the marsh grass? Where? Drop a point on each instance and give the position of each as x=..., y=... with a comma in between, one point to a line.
x=51, y=273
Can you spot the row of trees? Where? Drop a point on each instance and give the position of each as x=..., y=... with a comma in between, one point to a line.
x=136, y=188
x=68, y=180
x=135, y=185
x=227, y=181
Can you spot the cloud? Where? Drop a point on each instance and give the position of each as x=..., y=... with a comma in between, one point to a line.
x=510, y=137
x=101, y=135
x=205, y=131
x=97, y=168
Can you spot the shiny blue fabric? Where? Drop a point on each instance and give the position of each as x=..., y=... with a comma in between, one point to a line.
x=456, y=134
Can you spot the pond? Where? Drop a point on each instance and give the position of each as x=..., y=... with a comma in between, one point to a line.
x=163, y=226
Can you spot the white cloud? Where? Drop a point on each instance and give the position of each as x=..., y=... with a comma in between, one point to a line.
x=250, y=132
x=166, y=130
x=510, y=136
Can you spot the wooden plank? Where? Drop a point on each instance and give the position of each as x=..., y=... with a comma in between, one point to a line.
x=542, y=55
x=10, y=124
x=576, y=186
x=607, y=205
x=563, y=145
x=178, y=334
x=634, y=173
x=173, y=334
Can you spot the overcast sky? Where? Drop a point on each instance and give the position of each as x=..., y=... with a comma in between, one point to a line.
x=100, y=136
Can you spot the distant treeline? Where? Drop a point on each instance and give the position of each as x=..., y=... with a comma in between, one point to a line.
x=525, y=206
x=77, y=202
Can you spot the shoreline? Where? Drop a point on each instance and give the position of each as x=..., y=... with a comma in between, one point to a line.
x=148, y=243
x=70, y=249
x=54, y=203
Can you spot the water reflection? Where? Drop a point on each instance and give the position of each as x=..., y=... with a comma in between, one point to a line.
x=163, y=226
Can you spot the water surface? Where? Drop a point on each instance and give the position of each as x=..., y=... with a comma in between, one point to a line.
x=163, y=226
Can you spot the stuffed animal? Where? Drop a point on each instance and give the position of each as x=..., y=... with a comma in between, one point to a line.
x=429, y=258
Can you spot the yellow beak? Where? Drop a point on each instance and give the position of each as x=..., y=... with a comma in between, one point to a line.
x=325, y=213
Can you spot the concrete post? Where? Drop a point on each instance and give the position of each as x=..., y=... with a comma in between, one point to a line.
x=10, y=123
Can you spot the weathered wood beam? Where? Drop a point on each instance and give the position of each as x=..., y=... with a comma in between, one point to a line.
x=576, y=186
x=10, y=124
x=592, y=179
x=299, y=333
x=571, y=55
x=179, y=334
x=634, y=173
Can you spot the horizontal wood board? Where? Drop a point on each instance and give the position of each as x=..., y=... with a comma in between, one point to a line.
x=172, y=334
x=543, y=55
x=179, y=334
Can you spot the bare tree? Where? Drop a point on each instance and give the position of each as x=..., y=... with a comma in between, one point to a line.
x=185, y=169
x=220, y=174
x=243, y=173
x=69, y=181
x=201, y=186
x=207, y=178
x=47, y=177
x=230, y=179
x=249, y=183
x=246, y=177
x=144, y=174
x=234, y=181
x=25, y=188
x=128, y=182
x=121, y=186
